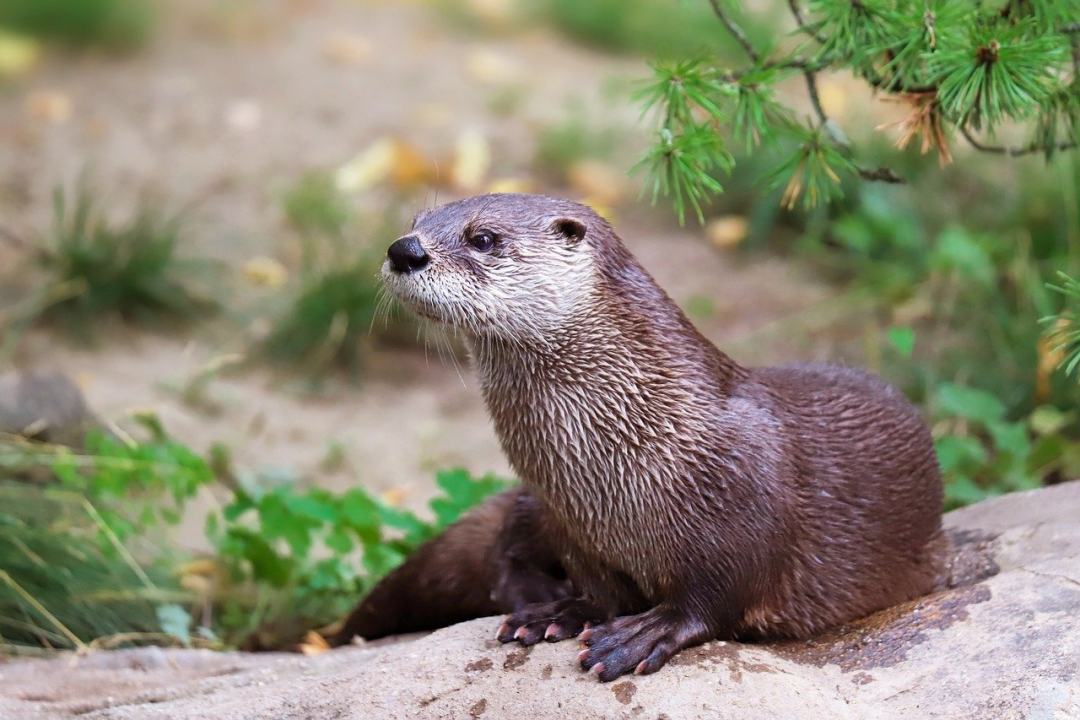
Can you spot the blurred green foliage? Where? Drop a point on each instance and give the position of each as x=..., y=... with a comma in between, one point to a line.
x=109, y=24
x=975, y=315
x=663, y=28
x=336, y=311
x=562, y=145
x=86, y=558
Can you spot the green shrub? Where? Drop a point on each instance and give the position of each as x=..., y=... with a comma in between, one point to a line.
x=112, y=24
x=982, y=453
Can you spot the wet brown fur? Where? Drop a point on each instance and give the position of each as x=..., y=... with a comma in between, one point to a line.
x=687, y=497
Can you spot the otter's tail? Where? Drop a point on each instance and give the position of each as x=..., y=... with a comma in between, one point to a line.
x=450, y=579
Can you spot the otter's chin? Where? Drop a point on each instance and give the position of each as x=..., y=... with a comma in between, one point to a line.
x=404, y=289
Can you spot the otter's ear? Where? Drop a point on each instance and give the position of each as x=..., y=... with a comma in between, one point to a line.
x=569, y=228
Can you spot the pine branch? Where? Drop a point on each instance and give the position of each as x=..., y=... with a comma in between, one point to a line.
x=880, y=174
x=1012, y=151
x=736, y=32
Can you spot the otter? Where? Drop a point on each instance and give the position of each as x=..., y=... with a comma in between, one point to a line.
x=682, y=496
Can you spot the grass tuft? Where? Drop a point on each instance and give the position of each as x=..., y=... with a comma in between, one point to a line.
x=97, y=269
x=336, y=308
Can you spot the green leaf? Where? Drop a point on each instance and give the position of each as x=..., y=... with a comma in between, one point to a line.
x=1011, y=438
x=339, y=541
x=318, y=506
x=902, y=339
x=969, y=403
x=266, y=564
x=462, y=492
x=176, y=621
x=962, y=490
x=964, y=253
x=381, y=559
x=1047, y=420
x=958, y=452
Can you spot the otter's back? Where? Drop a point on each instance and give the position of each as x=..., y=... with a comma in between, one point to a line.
x=867, y=496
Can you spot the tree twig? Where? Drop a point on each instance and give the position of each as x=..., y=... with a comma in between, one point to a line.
x=796, y=11
x=880, y=174
x=815, y=99
x=736, y=32
x=1012, y=151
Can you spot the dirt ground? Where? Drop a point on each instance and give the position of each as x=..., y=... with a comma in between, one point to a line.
x=226, y=107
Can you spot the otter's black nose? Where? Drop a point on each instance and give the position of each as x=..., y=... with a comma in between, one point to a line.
x=407, y=255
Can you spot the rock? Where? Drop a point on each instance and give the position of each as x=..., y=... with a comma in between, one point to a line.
x=1003, y=643
x=45, y=406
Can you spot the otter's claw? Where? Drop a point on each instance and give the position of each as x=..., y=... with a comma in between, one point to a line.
x=552, y=621
x=638, y=643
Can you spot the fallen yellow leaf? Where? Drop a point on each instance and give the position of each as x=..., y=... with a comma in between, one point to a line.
x=510, y=185
x=599, y=208
x=314, y=644
x=18, y=54
x=598, y=181
x=265, y=272
x=472, y=159
x=495, y=12
x=410, y=167
x=393, y=496
x=489, y=66
x=727, y=231
x=347, y=48
x=371, y=166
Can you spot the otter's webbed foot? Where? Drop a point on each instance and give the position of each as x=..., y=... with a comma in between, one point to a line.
x=639, y=643
x=551, y=621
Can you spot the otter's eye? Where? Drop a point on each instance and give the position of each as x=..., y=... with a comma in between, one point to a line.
x=482, y=241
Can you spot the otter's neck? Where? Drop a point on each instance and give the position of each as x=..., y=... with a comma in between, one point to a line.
x=622, y=389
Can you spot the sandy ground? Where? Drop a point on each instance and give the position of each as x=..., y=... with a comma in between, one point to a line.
x=223, y=111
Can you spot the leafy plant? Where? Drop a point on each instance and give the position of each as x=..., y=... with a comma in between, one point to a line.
x=982, y=453
x=96, y=268
x=965, y=66
x=86, y=560
x=293, y=555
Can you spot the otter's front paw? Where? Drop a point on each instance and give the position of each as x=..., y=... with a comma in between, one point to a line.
x=639, y=643
x=550, y=621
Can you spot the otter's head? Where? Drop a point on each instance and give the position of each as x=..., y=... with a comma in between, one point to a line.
x=516, y=267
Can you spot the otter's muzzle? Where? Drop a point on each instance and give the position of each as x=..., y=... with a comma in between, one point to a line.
x=407, y=255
